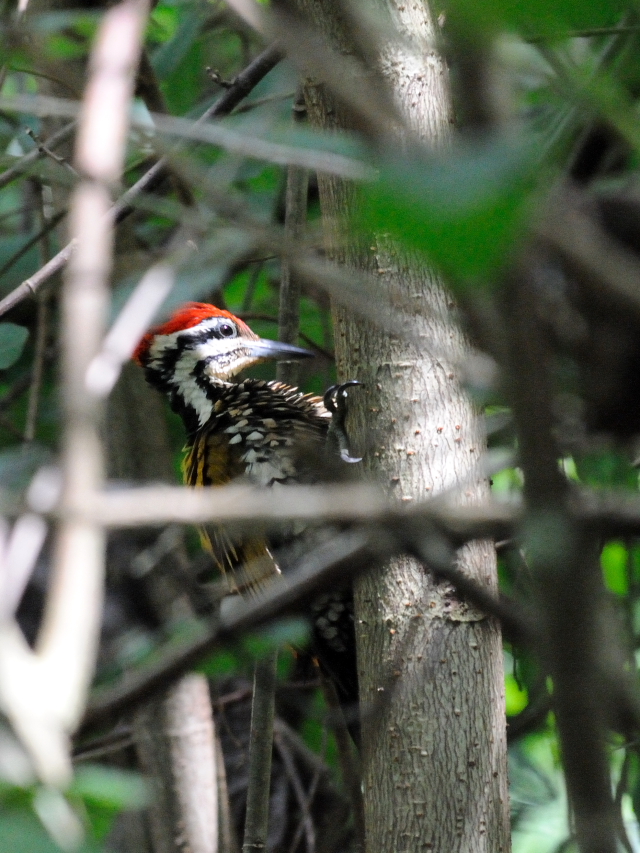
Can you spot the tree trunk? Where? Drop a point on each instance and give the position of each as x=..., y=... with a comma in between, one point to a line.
x=430, y=668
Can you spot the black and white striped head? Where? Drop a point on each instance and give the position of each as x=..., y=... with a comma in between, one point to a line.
x=198, y=349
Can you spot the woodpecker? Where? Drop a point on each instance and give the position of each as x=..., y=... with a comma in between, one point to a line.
x=266, y=433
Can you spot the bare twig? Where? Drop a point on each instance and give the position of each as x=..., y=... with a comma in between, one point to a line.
x=116, y=740
x=44, y=231
x=349, y=768
x=294, y=222
x=47, y=152
x=260, y=751
x=130, y=325
x=42, y=325
x=608, y=514
x=16, y=390
x=24, y=163
x=20, y=550
x=298, y=791
x=158, y=505
x=311, y=760
x=311, y=793
x=227, y=839
x=621, y=790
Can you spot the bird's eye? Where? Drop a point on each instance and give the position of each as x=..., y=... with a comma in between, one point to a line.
x=227, y=330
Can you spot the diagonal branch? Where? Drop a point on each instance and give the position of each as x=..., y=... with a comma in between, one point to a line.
x=43, y=693
x=242, y=85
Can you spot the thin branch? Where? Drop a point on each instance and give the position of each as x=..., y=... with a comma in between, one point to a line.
x=621, y=790
x=100, y=746
x=565, y=568
x=159, y=505
x=227, y=839
x=590, y=32
x=346, y=555
x=42, y=327
x=260, y=751
x=43, y=693
x=269, y=318
x=214, y=134
x=11, y=427
x=47, y=152
x=25, y=162
x=260, y=102
x=244, y=83
x=16, y=390
x=294, y=223
x=351, y=776
x=298, y=791
x=46, y=229
x=311, y=793
x=311, y=760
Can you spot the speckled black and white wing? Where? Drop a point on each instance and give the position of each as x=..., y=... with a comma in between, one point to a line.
x=267, y=434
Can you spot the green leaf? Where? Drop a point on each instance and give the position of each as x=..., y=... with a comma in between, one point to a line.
x=220, y=664
x=163, y=23
x=634, y=781
x=516, y=698
x=22, y=832
x=17, y=263
x=607, y=468
x=535, y=17
x=465, y=210
x=614, y=561
x=180, y=62
x=12, y=341
x=168, y=57
x=110, y=787
x=105, y=792
x=294, y=632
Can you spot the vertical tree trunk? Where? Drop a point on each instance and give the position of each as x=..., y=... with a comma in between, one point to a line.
x=430, y=668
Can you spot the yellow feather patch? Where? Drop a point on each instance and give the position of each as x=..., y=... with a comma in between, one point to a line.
x=247, y=563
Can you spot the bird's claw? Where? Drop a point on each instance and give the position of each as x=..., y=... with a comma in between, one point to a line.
x=335, y=397
x=335, y=401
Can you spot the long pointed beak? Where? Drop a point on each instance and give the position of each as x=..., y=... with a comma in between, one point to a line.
x=264, y=348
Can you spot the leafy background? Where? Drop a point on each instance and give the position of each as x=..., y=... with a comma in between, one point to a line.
x=467, y=210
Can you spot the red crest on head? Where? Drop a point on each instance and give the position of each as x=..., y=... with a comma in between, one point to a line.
x=185, y=317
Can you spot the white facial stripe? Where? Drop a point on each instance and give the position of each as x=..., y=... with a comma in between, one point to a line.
x=184, y=371
x=190, y=391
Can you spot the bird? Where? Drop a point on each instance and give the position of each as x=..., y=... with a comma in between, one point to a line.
x=266, y=433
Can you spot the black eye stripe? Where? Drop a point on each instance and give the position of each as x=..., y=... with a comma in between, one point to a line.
x=192, y=338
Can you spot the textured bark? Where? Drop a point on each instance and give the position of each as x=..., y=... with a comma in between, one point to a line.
x=430, y=668
x=175, y=741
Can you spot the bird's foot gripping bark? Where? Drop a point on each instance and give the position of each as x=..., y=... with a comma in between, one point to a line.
x=335, y=401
